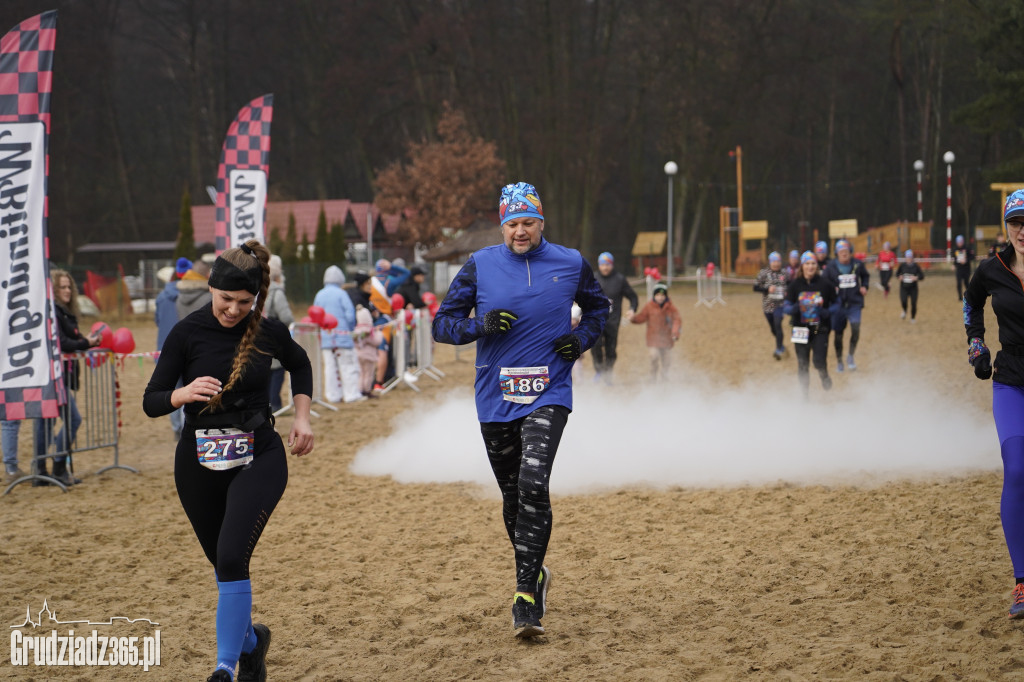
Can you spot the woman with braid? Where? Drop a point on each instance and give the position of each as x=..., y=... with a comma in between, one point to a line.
x=230, y=467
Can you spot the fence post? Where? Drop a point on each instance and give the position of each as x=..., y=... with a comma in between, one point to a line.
x=308, y=336
x=425, y=346
x=399, y=346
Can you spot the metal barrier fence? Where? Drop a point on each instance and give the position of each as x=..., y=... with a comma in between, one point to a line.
x=98, y=402
x=308, y=336
x=425, y=345
x=709, y=289
x=399, y=353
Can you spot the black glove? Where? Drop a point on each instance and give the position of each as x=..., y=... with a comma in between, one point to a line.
x=569, y=347
x=498, y=321
x=983, y=366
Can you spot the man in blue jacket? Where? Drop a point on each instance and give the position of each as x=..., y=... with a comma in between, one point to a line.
x=850, y=278
x=523, y=291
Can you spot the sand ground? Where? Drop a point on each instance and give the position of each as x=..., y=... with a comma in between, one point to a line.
x=363, y=578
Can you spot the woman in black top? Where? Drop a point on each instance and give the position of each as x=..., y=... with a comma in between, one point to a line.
x=1002, y=278
x=808, y=298
x=71, y=340
x=230, y=468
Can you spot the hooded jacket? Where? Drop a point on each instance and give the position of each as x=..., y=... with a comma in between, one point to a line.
x=193, y=293
x=663, y=323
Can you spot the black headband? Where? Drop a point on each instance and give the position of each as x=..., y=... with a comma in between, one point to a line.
x=229, y=277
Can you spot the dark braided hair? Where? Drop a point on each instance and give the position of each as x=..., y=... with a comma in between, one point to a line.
x=243, y=260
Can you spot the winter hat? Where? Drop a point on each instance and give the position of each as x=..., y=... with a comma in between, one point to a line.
x=842, y=244
x=887, y=246
x=794, y=254
x=606, y=259
x=519, y=200
x=1014, y=205
x=276, y=268
x=334, y=275
x=660, y=287
x=959, y=240
x=182, y=266
x=821, y=247
x=774, y=256
x=165, y=274
x=399, y=262
x=807, y=257
x=379, y=266
x=909, y=253
x=360, y=278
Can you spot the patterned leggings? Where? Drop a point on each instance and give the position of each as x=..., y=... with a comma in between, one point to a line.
x=521, y=453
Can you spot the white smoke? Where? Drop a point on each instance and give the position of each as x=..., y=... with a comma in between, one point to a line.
x=863, y=432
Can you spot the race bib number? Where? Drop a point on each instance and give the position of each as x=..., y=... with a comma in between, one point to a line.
x=847, y=281
x=778, y=294
x=523, y=384
x=800, y=335
x=222, y=449
x=909, y=279
x=885, y=266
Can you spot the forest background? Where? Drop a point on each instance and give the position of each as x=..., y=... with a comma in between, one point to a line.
x=832, y=102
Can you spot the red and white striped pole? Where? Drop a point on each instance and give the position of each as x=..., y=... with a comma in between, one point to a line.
x=919, y=166
x=949, y=158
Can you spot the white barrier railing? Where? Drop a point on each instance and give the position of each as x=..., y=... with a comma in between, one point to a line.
x=308, y=336
x=709, y=290
x=425, y=345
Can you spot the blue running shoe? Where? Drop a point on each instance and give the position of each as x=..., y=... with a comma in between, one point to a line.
x=840, y=367
x=850, y=363
x=1017, y=610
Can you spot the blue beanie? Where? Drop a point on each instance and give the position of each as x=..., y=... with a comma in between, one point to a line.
x=794, y=254
x=807, y=257
x=822, y=247
x=606, y=258
x=909, y=253
x=182, y=266
x=519, y=200
x=842, y=244
x=774, y=256
x=959, y=240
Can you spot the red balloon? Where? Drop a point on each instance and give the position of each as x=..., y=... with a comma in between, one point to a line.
x=429, y=297
x=408, y=317
x=307, y=320
x=710, y=270
x=397, y=302
x=105, y=332
x=316, y=313
x=329, y=322
x=123, y=342
x=433, y=308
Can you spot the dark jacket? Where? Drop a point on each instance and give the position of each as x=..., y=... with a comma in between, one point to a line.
x=848, y=284
x=808, y=302
x=71, y=341
x=994, y=279
x=615, y=287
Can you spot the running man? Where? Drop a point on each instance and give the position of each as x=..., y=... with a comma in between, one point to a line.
x=522, y=292
x=850, y=278
x=885, y=264
x=614, y=285
x=963, y=256
x=771, y=282
x=909, y=274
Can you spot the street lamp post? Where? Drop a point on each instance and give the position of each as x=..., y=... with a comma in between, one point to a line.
x=670, y=170
x=919, y=166
x=949, y=158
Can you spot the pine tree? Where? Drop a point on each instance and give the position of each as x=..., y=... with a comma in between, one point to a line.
x=304, y=250
x=339, y=248
x=186, y=244
x=275, y=243
x=289, y=253
x=321, y=244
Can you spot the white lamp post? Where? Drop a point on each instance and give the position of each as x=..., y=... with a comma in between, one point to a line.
x=670, y=169
x=919, y=166
x=949, y=158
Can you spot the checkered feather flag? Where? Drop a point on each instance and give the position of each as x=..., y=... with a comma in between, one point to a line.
x=242, y=176
x=31, y=380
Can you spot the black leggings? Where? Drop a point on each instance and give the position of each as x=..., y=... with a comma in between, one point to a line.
x=818, y=344
x=521, y=453
x=909, y=291
x=229, y=509
x=775, y=324
x=885, y=276
x=604, y=350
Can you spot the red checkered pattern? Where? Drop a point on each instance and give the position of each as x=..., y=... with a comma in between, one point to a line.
x=26, y=77
x=246, y=147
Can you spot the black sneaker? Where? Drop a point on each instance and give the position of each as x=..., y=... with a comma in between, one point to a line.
x=526, y=616
x=541, y=595
x=252, y=666
x=219, y=675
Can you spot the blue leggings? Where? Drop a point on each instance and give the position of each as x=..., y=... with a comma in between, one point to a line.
x=1008, y=410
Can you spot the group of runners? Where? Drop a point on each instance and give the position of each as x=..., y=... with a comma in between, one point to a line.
x=515, y=301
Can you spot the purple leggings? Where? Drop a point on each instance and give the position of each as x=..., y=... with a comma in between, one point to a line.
x=1008, y=410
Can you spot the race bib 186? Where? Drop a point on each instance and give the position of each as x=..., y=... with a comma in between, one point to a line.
x=220, y=449
x=523, y=384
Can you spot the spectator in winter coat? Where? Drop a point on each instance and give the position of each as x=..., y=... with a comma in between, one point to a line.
x=341, y=366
